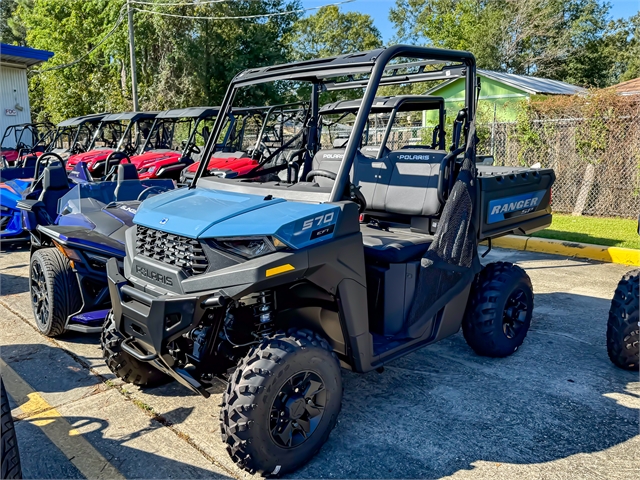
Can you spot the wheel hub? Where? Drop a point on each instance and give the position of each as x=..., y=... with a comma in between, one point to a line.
x=515, y=313
x=39, y=298
x=297, y=409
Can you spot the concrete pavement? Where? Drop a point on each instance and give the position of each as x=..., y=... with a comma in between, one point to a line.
x=555, y=409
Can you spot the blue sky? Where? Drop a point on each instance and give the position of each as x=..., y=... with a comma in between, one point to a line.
x=379, y=10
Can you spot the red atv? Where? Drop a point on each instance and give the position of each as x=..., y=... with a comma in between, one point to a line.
x=175, y=141
x=118, y=132
x=19, y=140
x=258, y=138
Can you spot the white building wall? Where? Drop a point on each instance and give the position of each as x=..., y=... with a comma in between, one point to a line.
x=13, y=90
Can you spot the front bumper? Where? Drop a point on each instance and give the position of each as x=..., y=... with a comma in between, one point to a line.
x=149, y=323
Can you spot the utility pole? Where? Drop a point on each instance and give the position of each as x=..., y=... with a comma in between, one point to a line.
x=132, y=55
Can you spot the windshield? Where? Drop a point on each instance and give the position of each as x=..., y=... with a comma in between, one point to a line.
x=87, y=197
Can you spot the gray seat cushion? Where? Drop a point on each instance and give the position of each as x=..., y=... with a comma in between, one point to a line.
x=398, y=245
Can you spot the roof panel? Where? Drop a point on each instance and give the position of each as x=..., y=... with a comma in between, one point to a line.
x=533, y=85
x=23, y=55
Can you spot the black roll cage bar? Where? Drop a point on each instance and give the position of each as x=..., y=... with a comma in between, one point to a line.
x=375, y=63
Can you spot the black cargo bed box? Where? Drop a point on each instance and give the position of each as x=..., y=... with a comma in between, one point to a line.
x=514, y=200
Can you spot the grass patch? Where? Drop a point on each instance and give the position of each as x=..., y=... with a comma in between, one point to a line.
x=611, y=232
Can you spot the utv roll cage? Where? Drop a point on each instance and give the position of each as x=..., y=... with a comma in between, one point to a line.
x=76, y=124
x=392, y=106
x=119, y=118
x=160, y=138
x=368, y=70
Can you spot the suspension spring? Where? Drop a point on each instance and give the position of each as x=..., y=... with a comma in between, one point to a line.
x=264, y=314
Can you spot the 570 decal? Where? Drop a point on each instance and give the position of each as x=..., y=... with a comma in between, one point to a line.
x=318, y=221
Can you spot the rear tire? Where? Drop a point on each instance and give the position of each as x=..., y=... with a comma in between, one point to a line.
x=623, y=332
x=281, y=403
x=498, y=314
x=9, y=444
x=123, y=365
x=55, y=294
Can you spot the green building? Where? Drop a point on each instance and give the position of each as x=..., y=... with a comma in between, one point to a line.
x=500, y=94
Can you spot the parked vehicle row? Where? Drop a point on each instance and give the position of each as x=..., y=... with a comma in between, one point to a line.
x=301, y=242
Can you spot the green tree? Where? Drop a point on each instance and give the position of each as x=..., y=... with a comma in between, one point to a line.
x=11, y=29
x=181, y=61
x=567, y=40
x=331, y=32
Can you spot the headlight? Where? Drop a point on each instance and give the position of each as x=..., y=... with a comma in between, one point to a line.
x=250, y=247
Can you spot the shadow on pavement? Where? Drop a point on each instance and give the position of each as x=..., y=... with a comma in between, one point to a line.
x=132, y=462
x=444, y=408
x=12, y=284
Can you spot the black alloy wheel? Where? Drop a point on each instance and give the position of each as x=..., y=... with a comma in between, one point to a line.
x=297, y=409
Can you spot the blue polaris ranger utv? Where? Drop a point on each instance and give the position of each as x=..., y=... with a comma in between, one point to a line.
x=273, y=286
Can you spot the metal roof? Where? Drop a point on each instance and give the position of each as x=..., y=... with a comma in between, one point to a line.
x=73, y=122
x=23, y=55
x=190, y=112
x=630, y=87
x=404, y=103
x=131, y=116
x=531, y=85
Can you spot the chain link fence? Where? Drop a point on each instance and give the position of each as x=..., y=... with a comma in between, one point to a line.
x=596, y=161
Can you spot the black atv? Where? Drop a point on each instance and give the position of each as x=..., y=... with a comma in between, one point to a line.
x=275, y=285
x=623, y=330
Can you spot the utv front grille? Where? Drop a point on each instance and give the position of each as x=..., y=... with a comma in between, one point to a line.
x=182, y=252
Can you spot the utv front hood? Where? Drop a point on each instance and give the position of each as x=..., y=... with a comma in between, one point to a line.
x=147, y=159
x=90, y=157
x=189, y=213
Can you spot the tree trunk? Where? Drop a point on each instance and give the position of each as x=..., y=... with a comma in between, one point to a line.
x=585, y=188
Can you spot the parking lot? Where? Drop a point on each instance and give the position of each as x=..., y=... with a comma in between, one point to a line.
x=556, y=409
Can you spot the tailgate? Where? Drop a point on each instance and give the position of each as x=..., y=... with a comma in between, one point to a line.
x=514, y=200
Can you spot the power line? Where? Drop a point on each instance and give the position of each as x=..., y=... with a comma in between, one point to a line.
x=180, y=4
x=124, y=11
x=243, y=17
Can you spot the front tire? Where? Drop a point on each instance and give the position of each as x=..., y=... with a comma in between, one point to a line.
x=123, y=365
x=623, y=332
x=9, y=444
x=281, y=403
x=55, y=294
x=499, y=312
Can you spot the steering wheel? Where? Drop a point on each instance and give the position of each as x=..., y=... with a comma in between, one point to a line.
x=147, y=191
x=21, y=146
x=320, y=173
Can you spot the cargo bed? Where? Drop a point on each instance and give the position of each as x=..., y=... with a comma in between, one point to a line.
x=514, y=200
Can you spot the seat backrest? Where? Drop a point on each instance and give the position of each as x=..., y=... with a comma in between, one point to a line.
x=127, y=171
x=129, y=185
x=54, y=186
x=407, y=182
x=328, y=160
x=372, y=151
